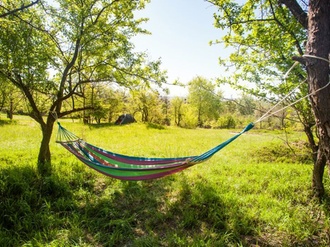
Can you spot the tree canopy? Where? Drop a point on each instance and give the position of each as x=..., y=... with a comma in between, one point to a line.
x=268, y=36
x=52, y=50
x=203, y=98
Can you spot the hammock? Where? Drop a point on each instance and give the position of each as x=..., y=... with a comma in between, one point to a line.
x=125, y=167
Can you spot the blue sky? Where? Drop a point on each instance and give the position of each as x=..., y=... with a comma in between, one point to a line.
x=181, y=32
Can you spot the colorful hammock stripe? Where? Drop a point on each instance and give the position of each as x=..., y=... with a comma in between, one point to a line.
x=129, y=167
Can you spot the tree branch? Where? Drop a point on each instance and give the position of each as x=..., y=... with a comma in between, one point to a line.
x=62, y=114
x=11, y=12
x=297, y=11
x=301, y=60
x=286, y=29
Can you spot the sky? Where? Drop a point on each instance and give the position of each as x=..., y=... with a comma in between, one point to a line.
x=181, y=32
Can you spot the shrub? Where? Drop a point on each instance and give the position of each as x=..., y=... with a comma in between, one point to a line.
x=226, y=122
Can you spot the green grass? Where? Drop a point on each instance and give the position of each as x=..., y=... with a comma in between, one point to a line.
x=253, y=192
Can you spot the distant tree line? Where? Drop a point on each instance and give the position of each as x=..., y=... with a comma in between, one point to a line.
x=203, y=107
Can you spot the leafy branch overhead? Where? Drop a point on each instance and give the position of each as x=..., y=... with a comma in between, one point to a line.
x=264, y=36
x=11, y=10
x=80, y=44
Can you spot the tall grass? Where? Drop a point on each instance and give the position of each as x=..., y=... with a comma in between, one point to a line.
x=256, y=191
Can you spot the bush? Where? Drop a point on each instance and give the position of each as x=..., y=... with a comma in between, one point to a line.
x=189, y=120
x=226, y=122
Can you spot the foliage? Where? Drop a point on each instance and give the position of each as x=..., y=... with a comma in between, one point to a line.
x=177, y=110
x=226, y=122
x=203, y=99
x=246, y=105
x=265, y=36
x=189, y=118
x=148, y=103
x=237, y=198
x=13, y=8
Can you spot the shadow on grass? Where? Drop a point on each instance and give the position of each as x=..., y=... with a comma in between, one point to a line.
x=155, y=126
x=29, y=206
x=6, y=122
x=100, y=125
x=199, y=215
x=325, y=202
x=107, y=125
x=89, y=209
x=154, y=213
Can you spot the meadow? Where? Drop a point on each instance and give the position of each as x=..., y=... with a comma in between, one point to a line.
x=254, y=192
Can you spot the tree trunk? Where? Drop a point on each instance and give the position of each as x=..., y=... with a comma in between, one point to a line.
x=318, y=172
x=318, y=44
x=10, y=112
x=44, y=157
x=314, y=147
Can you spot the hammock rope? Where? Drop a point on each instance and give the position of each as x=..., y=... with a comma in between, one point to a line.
x=269, y=113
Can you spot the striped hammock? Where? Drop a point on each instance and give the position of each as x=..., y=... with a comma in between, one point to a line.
x=129, y=167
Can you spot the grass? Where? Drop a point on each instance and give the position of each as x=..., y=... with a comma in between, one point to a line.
x=255, y=192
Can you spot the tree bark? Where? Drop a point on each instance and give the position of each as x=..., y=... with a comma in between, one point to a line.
x=318, y=45
x=311, y=141
x=44, y=157
x=318, y=172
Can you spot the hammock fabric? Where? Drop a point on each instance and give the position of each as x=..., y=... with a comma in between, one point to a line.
x=125, y=167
